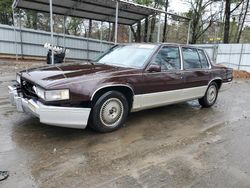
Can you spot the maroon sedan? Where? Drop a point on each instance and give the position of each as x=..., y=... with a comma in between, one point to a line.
x=127, y=78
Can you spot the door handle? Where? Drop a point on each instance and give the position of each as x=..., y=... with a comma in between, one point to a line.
x=179, y=74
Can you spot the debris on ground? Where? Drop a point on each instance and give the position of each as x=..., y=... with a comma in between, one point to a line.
x=241, y=74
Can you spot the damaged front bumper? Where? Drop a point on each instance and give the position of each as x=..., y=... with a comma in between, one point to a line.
x=51, y=115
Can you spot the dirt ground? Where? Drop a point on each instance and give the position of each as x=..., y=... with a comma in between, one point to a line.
x=241, y=74
x=181, y=145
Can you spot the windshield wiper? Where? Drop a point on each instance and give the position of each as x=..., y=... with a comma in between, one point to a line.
x=87, y=62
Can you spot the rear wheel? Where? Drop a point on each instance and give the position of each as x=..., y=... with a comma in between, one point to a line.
x=109, y=112
x=210, y=97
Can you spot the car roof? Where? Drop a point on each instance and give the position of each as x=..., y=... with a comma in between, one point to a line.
x=161, y=44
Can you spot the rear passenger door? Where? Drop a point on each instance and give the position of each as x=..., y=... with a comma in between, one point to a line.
x=196, y=72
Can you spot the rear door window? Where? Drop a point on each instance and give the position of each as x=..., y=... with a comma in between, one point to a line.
x=191, y=58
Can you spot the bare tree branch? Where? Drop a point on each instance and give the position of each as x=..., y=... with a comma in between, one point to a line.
x=237, y=6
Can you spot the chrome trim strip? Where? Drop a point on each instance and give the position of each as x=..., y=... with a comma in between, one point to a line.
x=113, y=85
x=216, y=78
x=181, y=58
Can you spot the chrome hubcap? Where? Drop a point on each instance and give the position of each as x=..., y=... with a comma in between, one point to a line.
x=111, y=112
x=211, y=94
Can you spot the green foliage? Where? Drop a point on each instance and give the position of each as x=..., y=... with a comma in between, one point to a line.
x=144, y=2
x=32, y=19
x=5, y=6
x=5, y=12
x=74, y=26
x=152, y=3
x=246, y=35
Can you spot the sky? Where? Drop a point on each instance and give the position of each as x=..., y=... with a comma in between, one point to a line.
x=178, y=6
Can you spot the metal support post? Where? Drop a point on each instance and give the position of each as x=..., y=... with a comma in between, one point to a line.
x=101, y=50
x=116, y=20
x=189, y=28
x=64, y=30
x=159, y=28
x=14, y=27
x=130, y=34
x=51, y=31
x=20, y=31
x=241, y=52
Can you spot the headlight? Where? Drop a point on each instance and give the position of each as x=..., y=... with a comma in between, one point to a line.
x=18, y=78
x=52, y=95
x=40, y=92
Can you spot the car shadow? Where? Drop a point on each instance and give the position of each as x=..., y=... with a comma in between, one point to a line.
x=145, y=123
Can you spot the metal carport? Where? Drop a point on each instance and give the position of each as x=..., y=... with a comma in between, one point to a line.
x=115, y=11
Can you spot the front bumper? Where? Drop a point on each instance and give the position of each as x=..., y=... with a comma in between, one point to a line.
x=51, y=115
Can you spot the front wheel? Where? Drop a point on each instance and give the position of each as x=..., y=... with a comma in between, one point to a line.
x=109, y=112
x=210, y=97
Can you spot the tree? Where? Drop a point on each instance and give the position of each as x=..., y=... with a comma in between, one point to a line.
x=202, y=18
x=74, y=26
x=241, y=24
x=165, y=23
x=228, y=13
x=156, y=4
x=227, y=21
x=245, y=38
x=31, y=19
x=6, y=12
x=137, y=33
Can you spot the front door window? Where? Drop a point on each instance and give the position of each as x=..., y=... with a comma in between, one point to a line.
x=168, y=58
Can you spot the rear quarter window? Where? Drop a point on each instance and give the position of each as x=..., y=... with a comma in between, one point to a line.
x=203, y=59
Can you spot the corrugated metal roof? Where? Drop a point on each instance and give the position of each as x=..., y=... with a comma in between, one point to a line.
x=101, y=10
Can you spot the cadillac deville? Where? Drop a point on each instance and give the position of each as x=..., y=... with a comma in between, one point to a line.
x=127, y=78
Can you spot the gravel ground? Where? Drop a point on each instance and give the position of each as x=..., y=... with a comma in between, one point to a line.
x=181, y=145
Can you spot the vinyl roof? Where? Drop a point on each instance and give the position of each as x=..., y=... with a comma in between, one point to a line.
x=101, y=10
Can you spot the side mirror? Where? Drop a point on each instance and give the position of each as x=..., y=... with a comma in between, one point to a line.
x=154, y=68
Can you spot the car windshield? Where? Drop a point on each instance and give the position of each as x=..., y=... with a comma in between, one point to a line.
x=133, y=56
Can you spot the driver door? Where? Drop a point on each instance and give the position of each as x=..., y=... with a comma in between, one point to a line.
x=164, y=86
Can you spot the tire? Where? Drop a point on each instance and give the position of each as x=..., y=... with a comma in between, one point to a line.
x=109, y=112
x=210, y=97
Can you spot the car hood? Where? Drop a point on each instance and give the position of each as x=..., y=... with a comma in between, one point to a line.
x=55, y=75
